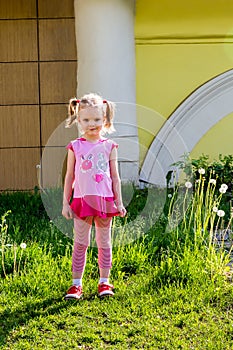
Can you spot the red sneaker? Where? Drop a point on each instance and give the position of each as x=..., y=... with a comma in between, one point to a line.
x=74, y=292
x=105, y=289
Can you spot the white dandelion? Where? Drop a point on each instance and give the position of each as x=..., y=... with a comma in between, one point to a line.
x=213, y=181
x=188, y=184
x=224, y=186
x=201, y=171
x=222, y=190
x=23, y=245
x=220, y=213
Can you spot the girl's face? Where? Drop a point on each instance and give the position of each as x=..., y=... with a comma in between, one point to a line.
x=91, y=121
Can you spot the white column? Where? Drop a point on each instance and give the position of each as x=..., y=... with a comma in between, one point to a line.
x=106, y=65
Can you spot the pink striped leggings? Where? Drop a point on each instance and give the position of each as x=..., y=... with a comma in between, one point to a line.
x=82, y=232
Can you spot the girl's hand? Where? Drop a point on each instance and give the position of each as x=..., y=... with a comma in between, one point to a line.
x=67, y=212
x=121, y=210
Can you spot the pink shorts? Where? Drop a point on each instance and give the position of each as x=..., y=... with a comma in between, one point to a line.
x=94, y=206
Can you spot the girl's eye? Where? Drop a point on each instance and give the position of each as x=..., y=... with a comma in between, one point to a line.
x=85, y=120
x=97, y=119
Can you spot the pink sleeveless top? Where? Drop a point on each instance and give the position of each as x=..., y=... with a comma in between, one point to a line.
x=92, y=188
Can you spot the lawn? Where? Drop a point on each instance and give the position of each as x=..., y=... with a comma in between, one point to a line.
x=173, y=288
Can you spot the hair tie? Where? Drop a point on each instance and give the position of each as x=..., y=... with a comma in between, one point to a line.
x=75, y=102
x=104, y=101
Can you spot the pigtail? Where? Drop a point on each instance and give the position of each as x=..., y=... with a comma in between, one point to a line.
x=109, y=112
x=72, y=112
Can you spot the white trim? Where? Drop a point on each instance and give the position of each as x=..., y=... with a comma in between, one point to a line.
x=187, y=125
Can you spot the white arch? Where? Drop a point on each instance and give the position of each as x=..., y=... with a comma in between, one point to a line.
x=191, y=120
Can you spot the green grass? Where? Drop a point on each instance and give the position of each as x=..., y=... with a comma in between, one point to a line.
x=171, y=291
x=138, y=317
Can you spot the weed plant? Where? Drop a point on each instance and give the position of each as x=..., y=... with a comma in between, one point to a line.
x=221, y=170
x=189, y=251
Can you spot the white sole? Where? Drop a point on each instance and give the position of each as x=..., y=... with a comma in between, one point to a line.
x=72, y=296
x=105, y=293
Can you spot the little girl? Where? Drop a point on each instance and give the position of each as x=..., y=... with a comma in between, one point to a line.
x=93, y=182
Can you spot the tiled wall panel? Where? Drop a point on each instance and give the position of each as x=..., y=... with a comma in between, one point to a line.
x=54, y=132
x=19, y=126
x=17, y=9
x=18, y=168
x=57, y=81
x=38, y=67
x=19, y=83
x=57, y=40
x=18, y=41
x=55, y=8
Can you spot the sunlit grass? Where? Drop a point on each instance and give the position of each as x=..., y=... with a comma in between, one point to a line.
x=172, y=279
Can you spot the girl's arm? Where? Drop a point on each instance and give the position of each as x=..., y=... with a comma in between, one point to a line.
x=69, y=179
x=116, y=182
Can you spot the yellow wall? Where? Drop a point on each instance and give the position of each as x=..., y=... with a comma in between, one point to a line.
x=218, y=139
x=179, y=46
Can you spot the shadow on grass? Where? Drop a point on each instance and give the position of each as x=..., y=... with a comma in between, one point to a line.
x=10, y=320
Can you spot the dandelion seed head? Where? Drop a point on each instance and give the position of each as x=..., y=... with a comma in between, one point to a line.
x=201, y=171
x=169, y=195
x=213, y=181
x=224, y=186
x=222, y=190
x=188, y=184
x=23, y=245
x=220, y=213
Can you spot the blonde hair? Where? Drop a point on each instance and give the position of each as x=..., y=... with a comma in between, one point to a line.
x=95, y=101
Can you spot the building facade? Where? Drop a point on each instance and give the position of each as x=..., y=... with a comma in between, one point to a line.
x=167, y=64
